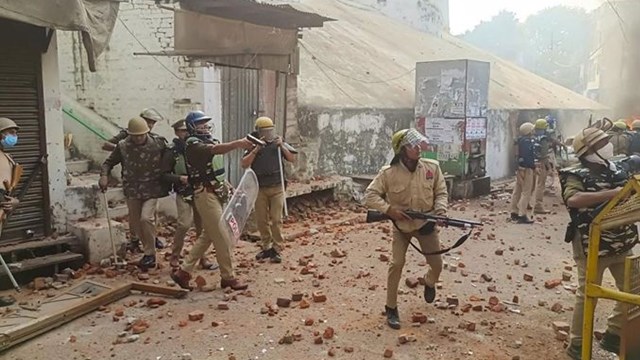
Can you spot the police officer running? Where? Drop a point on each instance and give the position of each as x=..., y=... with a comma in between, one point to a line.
x=265, y=162
x=525, y=175
x=205, y=166
x=586, y=186
x=409, y=183
x=141, y=157
x=175, y=173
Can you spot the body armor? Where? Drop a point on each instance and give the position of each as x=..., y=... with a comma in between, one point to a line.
x=613, y=242
x=211, y=175
x=267, y=166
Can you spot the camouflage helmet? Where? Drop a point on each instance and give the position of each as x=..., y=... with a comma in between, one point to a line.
x=137, y=126
x=6, y=123
x=151, y=114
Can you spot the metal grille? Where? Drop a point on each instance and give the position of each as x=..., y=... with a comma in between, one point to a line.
x=632, y=283
x=240, y=103
x=21, y=100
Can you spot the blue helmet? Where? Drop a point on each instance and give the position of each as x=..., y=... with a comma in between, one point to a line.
x=193, y=118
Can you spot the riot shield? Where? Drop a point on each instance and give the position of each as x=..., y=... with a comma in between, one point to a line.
x=239, y=207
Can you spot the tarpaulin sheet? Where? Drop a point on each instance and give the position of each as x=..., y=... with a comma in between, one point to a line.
x=93, y=18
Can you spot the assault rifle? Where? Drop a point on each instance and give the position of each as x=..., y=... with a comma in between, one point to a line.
x=375, y=216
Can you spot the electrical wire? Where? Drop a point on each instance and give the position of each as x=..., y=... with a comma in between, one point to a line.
x=166, y=68
x=620, y=21
x=317, y=60
x=338, y=86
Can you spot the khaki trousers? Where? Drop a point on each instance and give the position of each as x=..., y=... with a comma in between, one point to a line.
x=210, y=210
x=269, y=207
x=142, y=214
x=541, y=183
x=522, y=192
x=615, y=264
x=428, y=243
x=187, y=216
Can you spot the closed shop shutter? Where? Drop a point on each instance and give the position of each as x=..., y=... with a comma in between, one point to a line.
x=21, y=100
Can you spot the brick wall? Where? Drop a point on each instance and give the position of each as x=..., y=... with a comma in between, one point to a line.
x=124, y=84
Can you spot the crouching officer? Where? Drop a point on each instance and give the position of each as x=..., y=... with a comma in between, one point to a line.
x=205, y=165
x=525, y=175
x=266, y=163
x=141, y=158
x=409, y=183
x=586, y=186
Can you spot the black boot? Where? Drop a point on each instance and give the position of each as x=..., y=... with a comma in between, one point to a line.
x=524, y=219
x=610, y=342
x=514, y=217
x=393, y=319
x=429, y=294
x=275, y=256
x=148, y=261
x=133, y=246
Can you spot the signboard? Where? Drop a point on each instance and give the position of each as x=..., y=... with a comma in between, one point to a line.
x=476, y=129
x=441, y=131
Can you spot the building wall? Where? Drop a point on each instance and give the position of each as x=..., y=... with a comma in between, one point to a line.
x=430, y=16
x=124, y=84
x=55, y=135
x=500, y=150
x=346, y=142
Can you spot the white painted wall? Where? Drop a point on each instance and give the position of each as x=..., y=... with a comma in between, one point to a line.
x=500, y=150
x=54, y=135
x=213, y=98
x=124, y=84
x=430, y=16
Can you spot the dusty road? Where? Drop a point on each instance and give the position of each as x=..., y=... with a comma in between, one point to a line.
x=346, y=261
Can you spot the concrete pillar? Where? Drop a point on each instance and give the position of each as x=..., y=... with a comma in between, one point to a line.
x=54, y=135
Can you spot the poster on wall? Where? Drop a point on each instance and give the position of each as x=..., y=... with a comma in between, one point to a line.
x=449, y=152
x=476, y=129
x=441, y=131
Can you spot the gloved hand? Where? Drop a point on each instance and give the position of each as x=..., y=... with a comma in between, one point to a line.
x=103, y=183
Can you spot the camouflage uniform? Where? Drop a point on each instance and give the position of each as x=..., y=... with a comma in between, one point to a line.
x=142, y=184
x=123, y=134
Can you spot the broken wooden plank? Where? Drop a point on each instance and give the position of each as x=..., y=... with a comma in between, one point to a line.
x=31, y=329
x=162, y=290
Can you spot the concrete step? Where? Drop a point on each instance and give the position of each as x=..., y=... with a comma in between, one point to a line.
x=76, y=167
x=115, y=212
x=95, y=240
x=84, y=198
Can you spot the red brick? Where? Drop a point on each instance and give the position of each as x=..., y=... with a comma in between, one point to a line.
x=388, y=353
x=304, y=304
x=551, y=284
x=223, y=305
x=319, y=297
x=328, y=333
x=412, y=282
x=196, y=315
x=283, y=302
x=419, y=318
x=527, y=277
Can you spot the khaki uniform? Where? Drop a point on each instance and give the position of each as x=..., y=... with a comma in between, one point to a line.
x=208, y=202
x=270, y=202
x=174, y=166
x=142, y=184
x=7, y=165
x=620, y=142
x=612, y=261
x=422, y=190
x=542, y=171
x=525, y=179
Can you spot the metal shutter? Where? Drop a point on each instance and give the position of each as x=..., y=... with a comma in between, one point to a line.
x=21, y=100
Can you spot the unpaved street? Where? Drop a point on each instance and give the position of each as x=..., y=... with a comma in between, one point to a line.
x=338, y=255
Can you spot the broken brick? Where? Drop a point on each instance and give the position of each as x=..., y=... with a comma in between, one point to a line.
x=296, y=297
x=560, y=326
x=337, y=253
x=383, y=257
x=566, y=276
x=331, y=352
x=453, y=300
x=487, y=277
x=516, y=299
x=557, y=308
x=182, y=323
x=471, y=326
x=499, y=308
x=562, y=335
x=196, y=315
x=143, y=277
x=493, y=301
x=499, y=252
x=419, y=317
x=200, y=282
x=119, y=313
x=328, y=333
x=318, y=340
x=406, y=338
x=478, y=308
x=528, y=277
x=550, y=284
x=348, y=349
x=223, y=305
x=156, y=302
x=304, y=304
x=319, y=297
x=308, y=322
x=412, y=282
x=283, y=302
x=388, y=353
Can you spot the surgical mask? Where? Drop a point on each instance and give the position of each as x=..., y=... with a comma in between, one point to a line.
x=602, y=157
x=9, y=141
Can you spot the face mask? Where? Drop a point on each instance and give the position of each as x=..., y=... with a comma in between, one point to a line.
x=9, y=141
x=602, y=157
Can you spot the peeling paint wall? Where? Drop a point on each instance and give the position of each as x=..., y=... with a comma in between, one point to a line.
x=125, y=83
x=54, y=135
x=347, y=142
x=500, y=161
x=430, y=16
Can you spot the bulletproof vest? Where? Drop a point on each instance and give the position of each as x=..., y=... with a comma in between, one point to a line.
x=542, y=146
x=213, y=169
x=142, y=168
x=267, y=165
x=613, y=241
x=178, y=148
